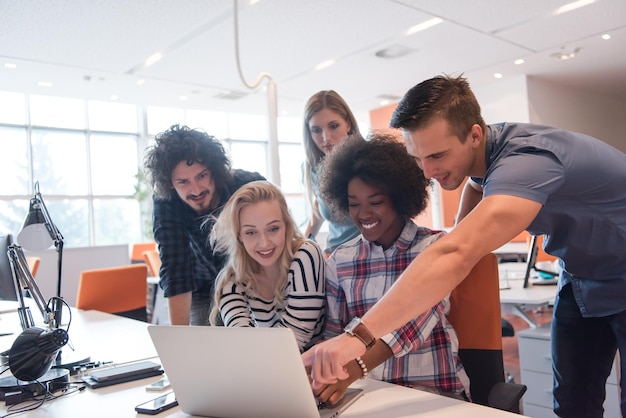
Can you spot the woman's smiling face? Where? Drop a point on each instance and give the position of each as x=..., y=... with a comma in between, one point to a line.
x=372, y=211
x=263, y=232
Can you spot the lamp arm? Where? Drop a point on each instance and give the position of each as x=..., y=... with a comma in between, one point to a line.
x=54, y=232
x=24, y=280
x=57, y=237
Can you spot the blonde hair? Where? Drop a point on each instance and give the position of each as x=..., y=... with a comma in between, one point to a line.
x=240, y=268
x=324, y=99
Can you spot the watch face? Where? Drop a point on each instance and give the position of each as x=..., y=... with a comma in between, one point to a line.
x=353, y=323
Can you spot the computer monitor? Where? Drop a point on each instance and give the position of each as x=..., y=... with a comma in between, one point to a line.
x=7, y=284
x=531, y=260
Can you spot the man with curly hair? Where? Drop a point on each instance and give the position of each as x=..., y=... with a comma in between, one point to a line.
x=378, y=185
x=191, y=178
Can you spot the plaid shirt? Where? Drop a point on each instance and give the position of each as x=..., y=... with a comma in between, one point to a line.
x=187, y=260
x=358, y=274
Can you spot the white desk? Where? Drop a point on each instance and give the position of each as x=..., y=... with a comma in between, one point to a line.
x=517, y=250
x=517, y=299
x=109, y=337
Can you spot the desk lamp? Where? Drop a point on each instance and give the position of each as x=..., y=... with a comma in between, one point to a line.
x=34, y=351
x=38, y=234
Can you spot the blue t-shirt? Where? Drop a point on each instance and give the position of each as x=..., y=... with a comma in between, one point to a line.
x=581, y=183
x=339, y=230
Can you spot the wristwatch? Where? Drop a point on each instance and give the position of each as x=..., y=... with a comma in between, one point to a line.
x=356, y=328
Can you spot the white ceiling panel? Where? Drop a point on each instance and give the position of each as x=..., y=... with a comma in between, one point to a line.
x=108, y=35
x=487, y=15
x=567, y=29
x=96, y=49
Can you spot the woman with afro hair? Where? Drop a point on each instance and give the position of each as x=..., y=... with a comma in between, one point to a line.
x=378, y=185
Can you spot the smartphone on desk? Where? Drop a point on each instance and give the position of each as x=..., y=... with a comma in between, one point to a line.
x=159, y=385
x=160, y=404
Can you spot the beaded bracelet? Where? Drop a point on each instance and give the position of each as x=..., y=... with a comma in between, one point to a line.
x=363, y=367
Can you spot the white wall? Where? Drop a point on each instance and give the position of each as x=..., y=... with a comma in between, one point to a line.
x=577, y=110
x=504, y=100
x=75, y=260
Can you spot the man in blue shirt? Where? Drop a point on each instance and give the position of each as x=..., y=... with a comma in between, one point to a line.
x=191, y=178
x=545, y=180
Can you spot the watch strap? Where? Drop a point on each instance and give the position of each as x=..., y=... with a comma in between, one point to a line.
x=362, y=333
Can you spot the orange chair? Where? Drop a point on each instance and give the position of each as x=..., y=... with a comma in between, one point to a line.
x=153, y=260
x=118, y=290
x=33, y=264
x=136, y=254
x=475, y=316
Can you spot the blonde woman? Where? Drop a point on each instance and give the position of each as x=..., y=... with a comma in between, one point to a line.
x=273, y=276
x=327, y=122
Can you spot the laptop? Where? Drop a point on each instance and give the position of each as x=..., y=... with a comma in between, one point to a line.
x=239, y=372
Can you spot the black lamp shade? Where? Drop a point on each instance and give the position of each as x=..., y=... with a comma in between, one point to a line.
x=35, y=234
x=34, y=351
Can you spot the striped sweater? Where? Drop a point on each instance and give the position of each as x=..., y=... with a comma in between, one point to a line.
x=303, y=307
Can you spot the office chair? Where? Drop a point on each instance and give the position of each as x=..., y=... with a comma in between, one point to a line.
x=136, y=254
x=33, y=264
x=118, y=290
x=153, y=260
x=475, y=316
x=155, y=295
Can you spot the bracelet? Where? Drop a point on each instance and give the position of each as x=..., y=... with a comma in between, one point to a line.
x=363, y=367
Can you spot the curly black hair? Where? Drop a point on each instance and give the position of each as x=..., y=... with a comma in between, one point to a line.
x=181, y=143
x=380, y=160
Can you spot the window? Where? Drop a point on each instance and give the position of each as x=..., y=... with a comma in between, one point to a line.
x=58, y=112
x=14, y=161
x=114, y=164
x=12, y=108
x=88, y=158
x=60, y=162
x=116, y=117
x=87, y=177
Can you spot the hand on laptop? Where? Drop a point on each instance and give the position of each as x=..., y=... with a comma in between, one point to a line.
x=327, y=359
x=333, y=393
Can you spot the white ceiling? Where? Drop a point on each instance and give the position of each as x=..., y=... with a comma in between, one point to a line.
x=95, y=49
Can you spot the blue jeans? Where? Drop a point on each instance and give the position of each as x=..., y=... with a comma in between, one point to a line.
x=583, y=350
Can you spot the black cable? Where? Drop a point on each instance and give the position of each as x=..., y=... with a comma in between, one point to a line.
x=38, y=401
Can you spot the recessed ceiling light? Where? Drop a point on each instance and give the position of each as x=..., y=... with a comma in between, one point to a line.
x=182, y=98
x=565, y=55
x=424, y=25
x=141, y=82
x=324, y=64
x=152, y=59
x=384, y=102
x=573, y=6
x=44, y=84
x=606, y=36
x=519, y=61
x=497, y=75
x=10, y=65
x=393, y=51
